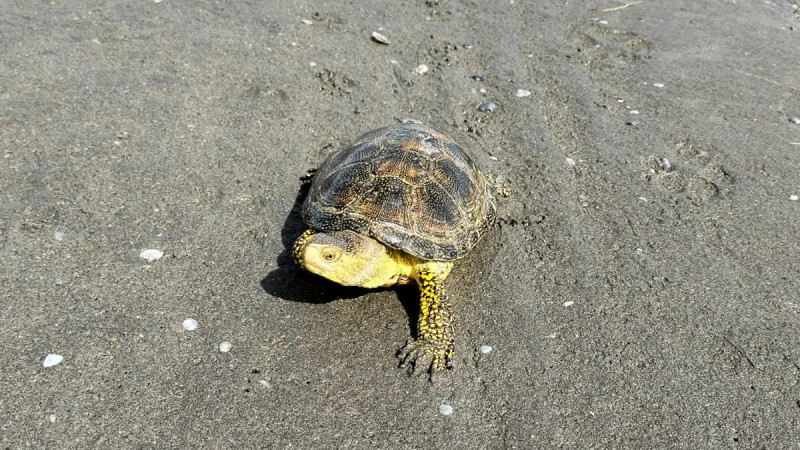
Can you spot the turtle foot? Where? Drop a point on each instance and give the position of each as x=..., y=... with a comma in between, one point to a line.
x=426, y=356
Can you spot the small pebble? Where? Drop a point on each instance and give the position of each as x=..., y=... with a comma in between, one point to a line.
x=485, y=349
x=570, y=161
x=664, y=163
x=421, y=69
x=52, y=418
x=467, y=46
x=225, y=346
x=793, y=198
x=487, y=107
x=59, y=236
x=568, y=303
x=379, y=38
x=445, y=410
x=189, y=324
x=477, y=77
x=52, y=359
x=633, y=111
x=307, y=22
x=658, y=85
x=795, y=120
x=151, y=255
x=523, y=93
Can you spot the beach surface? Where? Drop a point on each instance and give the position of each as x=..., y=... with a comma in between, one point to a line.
x=639, y=290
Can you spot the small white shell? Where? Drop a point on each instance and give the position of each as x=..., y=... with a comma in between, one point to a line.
x=379, y=38
x=52, y=359
x=151, y=254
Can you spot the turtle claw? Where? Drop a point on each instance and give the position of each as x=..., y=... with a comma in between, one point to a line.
x=306, y=179
x=419, y=357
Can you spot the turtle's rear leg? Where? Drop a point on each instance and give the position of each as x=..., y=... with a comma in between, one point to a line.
x=306, y=179
x=434, y=347
x=499, y=184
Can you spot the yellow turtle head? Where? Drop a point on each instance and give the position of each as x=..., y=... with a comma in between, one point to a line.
x=348, y=258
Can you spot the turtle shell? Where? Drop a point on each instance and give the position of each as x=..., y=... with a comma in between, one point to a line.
x=408, y=186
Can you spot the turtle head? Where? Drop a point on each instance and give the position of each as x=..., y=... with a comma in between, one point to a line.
x=347, y=258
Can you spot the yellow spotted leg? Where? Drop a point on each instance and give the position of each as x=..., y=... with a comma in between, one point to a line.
x=433, y=349
x=297, y=249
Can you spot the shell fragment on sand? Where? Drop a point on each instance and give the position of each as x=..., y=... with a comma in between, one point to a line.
x=52, y=359
x=487, y=107
x=379, y=38
x=189, y=324
x=151, y=254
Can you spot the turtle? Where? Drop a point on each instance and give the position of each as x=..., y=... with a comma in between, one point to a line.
x=398, y=206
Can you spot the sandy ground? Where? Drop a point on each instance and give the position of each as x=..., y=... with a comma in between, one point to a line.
x=639, y=291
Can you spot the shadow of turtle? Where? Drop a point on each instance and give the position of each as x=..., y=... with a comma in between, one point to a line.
x=287, y=281
x=290, y=283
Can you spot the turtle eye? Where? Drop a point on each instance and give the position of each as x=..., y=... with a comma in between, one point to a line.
x=331, y=255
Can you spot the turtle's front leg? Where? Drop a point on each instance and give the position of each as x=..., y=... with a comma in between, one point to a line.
x=433, y=349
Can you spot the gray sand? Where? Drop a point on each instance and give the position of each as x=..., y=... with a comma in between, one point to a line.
x=186, y=126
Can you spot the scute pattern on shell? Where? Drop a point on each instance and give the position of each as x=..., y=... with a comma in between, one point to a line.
x=409, y=186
